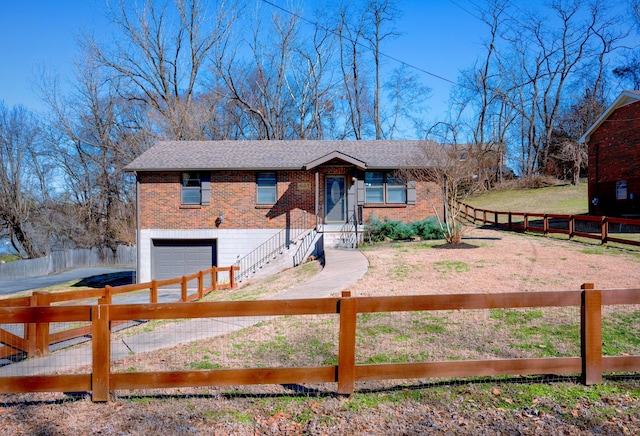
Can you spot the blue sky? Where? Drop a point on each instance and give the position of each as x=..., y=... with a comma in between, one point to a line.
x=438, y=36
x=42, y=33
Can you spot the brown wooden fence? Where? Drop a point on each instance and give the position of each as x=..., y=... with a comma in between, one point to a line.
x=593, y=227
x=37, y=336
x=101, y=380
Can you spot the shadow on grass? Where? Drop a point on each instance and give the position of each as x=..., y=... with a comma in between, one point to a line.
x=300, y=391
x=458, y=246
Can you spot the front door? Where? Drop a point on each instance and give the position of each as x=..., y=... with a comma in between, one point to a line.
x=335, y=199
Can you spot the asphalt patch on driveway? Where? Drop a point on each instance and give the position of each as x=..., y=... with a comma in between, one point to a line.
x=120, y=278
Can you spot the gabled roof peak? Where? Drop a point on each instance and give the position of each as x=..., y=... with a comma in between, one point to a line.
x=336, y=155
x=625, y=98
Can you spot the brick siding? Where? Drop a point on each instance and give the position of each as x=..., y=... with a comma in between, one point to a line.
x=614, y=155
x=233, y=194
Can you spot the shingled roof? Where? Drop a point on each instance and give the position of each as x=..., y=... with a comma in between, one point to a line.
x=278, y=155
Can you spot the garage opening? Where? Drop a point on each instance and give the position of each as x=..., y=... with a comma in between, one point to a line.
x=173, y=258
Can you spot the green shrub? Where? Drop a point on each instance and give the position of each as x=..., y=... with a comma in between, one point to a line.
x=378, y=230
x=428, y=229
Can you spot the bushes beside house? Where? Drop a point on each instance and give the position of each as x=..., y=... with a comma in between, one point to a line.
x=377, y=230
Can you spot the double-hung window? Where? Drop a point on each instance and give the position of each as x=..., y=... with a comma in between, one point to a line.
x=191, y=184
x=384, y=187
x=267, y=192
x=374, y=187
x=396, y=189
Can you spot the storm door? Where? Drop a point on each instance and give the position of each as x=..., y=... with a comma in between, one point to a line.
x=335, y=199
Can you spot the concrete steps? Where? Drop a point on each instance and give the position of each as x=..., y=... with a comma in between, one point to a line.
x=340, y=236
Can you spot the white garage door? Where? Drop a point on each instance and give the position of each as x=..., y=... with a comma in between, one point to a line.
x=176, y=258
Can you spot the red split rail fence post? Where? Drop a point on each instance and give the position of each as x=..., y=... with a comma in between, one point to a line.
x=184, y=296
x=232, y=275
x=201, y=284
x=108, y=295
x=154, y=292
x=572, y=226
x=591, y=334
x=347, y=345
x=39, y=342
x=101, y=352
x=214, y=278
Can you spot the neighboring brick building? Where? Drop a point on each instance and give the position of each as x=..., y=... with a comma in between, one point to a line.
x=203, y=203
x=614, y=158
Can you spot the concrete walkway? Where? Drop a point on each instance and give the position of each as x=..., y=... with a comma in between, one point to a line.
x=342, y=269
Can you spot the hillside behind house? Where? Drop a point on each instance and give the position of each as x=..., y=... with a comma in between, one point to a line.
x=560, y=199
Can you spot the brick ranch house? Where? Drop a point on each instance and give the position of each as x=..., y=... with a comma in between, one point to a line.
x=206, y=203
x=614, y=158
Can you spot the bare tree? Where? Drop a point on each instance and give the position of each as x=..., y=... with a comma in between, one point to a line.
x=454, y=168
x=312, y=86
x=377, y=15
x=628, y=71
x=482, y=104
x=568, y=157
x=96, y=134
x=515, y=96
x=351, y=29
x=261, y=86
x=20, y=191
x=159, y=55
x=407, y=102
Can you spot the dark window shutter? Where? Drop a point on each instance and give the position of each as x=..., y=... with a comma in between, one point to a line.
x=205, y=189
x=361, y=192
x=411, y=192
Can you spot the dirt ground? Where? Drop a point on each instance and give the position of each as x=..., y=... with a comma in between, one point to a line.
x=487, y=261
x=494, y=261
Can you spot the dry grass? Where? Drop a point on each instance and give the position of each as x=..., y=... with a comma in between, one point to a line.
x=491, y=262
x=535, y=195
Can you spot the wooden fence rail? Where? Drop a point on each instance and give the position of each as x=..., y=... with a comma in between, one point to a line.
x=100, y=381
x=37, y=336
x=591, y=227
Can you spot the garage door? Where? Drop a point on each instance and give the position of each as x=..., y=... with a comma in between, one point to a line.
x=176, y=258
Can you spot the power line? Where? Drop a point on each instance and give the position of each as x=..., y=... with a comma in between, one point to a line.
x=314, y=23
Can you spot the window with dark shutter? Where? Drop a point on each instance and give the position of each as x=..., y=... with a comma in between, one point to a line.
x=191, y=184
x=386, y=188
x=396, y=190
x=374, y=186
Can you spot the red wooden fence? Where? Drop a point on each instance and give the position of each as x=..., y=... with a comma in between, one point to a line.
x=542, y=223
x=591, y=363
x=37, y=337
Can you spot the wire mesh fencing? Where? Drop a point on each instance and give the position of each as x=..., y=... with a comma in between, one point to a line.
x=277, y=347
